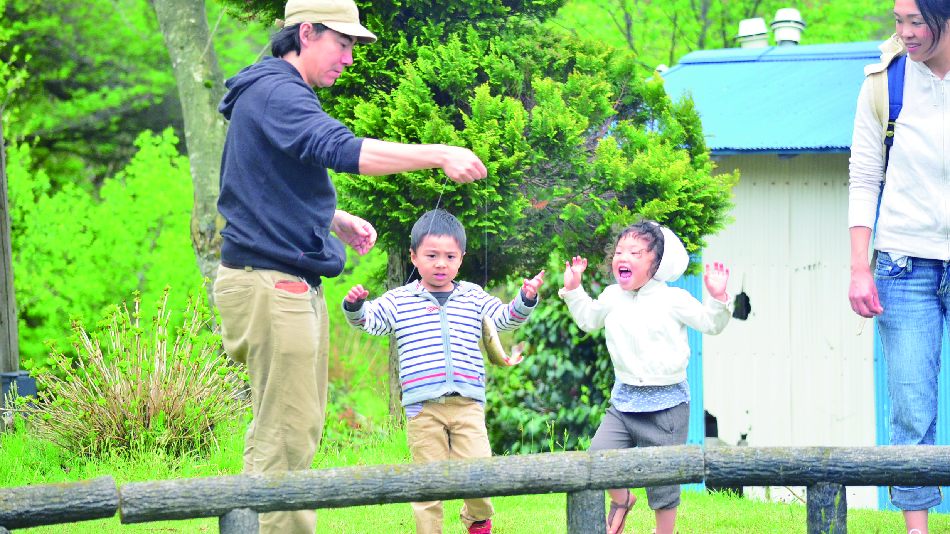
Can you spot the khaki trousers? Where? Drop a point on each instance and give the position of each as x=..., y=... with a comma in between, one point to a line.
x=282, y=336
x=448, y=428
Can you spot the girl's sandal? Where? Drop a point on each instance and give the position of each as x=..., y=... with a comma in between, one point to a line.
x=623, y=509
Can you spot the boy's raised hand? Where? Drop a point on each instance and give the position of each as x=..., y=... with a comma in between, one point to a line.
x=530, y=287
x=716, y=279
x=356, y=294
x=572, y=272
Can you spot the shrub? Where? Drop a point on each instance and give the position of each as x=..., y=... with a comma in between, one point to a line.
x=74, y=252
x=554, y=399
x=128, y=387
x=576, y=137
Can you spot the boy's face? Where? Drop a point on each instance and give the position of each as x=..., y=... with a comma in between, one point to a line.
x=437, y=259
x=632, y=263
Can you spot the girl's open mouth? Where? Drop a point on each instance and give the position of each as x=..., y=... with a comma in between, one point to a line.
x=624, y=273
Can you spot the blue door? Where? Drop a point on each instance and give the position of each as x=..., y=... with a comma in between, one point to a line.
x=694, y=375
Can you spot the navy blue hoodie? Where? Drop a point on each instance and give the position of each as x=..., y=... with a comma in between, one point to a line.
x=276, y=195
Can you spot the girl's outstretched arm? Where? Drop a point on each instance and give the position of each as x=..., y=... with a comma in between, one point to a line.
x=573, y=271
x=716, y=279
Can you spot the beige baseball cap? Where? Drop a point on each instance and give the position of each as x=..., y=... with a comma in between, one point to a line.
x=340, y=15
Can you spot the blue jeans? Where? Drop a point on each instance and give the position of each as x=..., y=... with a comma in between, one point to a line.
x=916, y=302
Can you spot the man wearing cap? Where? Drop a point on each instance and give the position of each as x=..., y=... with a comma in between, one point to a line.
x=280, y=207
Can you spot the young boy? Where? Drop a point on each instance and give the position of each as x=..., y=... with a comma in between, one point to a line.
x=437, y=323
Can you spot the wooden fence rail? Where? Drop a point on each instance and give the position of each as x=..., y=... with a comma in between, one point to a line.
x=499, y=476
x=51, y=504
x=237, y=499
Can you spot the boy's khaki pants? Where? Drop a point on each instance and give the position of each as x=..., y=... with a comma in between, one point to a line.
x=282, y=335
x=448, y=428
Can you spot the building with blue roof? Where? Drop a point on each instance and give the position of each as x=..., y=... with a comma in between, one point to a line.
x=776, y=100
x=796, y=372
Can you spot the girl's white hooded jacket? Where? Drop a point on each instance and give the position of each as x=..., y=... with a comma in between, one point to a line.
x=915, y=206
x=646, y=328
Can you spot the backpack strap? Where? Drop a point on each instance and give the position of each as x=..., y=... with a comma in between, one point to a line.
x=886, y=94
x=882, y=80
x=895, y=98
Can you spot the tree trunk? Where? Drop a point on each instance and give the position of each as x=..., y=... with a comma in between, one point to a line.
x=9, y=340
x=395, y=277
x=184, y=25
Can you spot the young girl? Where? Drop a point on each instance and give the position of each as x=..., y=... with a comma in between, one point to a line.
x=646, y=324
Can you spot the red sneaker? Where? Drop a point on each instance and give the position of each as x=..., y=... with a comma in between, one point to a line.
x=480, y=527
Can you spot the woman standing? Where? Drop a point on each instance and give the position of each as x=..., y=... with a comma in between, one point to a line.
x=908, y=289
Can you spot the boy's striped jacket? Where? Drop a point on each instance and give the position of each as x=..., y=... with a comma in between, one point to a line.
x=438, y=345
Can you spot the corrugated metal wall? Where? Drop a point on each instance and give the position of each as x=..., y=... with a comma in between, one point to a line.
x=795, y=373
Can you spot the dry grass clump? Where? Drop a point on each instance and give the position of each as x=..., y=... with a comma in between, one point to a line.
x=128, y=387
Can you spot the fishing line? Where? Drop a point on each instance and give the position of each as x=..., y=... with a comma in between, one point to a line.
x=485, y=222
x=431, y=221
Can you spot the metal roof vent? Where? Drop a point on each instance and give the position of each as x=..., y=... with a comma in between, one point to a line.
x=753, y=33
x=787, y=26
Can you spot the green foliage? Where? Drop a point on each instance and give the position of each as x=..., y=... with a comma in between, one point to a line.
x=666, y=30
x=98, y=208
x=403, y=26
x=576, y=142
x=86, y=83
x=12, y=73
x=73, y=254
x=99, y=75
x=128, y=386
x=554, y=399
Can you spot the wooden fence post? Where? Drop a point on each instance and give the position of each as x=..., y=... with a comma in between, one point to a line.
x=827, y=508
x=240, y=521
x=585, y=512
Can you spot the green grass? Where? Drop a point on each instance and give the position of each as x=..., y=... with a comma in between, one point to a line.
x=25, y=461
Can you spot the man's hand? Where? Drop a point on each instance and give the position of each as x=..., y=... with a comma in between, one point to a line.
x=353, y=231
x=573, y=272
x=461, y=165
x=530, y=287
